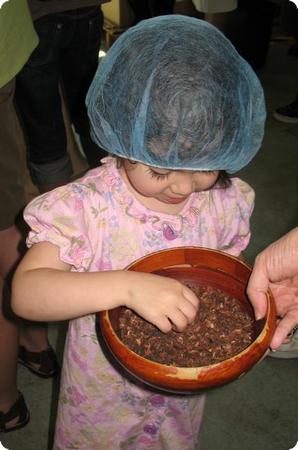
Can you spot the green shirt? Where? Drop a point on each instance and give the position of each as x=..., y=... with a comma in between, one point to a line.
x=17, y=38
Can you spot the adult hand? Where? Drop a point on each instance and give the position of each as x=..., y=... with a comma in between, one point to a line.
x=276, y=268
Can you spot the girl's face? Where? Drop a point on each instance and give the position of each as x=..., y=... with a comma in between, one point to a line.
x=165, y=190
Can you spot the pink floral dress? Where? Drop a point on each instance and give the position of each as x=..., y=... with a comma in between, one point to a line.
x=98, y=225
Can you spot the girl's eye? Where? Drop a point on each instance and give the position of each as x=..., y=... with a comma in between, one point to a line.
x=158, y=176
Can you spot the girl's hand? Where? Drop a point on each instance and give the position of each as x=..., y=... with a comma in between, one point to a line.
x=163, y=301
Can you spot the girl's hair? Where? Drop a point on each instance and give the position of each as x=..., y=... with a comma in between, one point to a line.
x=172, y=92
x=223, y=181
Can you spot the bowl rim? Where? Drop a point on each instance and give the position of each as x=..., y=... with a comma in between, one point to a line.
x=185, y=248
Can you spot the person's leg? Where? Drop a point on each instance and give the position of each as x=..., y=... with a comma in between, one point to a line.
x=39, y=103
x=288, y=113
x=32, y=336
x=289, y=22
x=219, y=13
x=80, y=62
x=159, y=8
x=140, y=9
x=12, y=166
x=219, y=20
x=13, y=410
x=8, y=329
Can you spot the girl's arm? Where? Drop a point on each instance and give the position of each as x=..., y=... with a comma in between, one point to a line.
x=44, y=289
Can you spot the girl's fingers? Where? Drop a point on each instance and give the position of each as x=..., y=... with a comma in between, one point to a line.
x=189, y=295
x=188, y=310
x=163, y=323
x=179, y=320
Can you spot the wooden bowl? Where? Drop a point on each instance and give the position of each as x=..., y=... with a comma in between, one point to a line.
x=205, y=266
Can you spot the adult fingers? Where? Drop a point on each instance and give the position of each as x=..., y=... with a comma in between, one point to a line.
x=284, y=327
x=257, y=288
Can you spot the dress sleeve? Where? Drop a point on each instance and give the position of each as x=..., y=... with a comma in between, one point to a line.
x=60, y=217
x=233, y=207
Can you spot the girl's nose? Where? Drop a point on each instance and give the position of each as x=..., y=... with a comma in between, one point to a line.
x=183, y=184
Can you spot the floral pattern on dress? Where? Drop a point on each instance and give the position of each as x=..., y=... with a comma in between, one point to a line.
x=97, y=225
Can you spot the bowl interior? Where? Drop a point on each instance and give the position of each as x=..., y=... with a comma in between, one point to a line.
x=203, y=276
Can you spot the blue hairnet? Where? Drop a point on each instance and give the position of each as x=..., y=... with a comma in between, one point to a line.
x=172, y=92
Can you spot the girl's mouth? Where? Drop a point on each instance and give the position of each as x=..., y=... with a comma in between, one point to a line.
x=175, y=200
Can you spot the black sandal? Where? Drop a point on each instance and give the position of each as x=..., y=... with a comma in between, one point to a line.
x=46, y=359
x=19, y=409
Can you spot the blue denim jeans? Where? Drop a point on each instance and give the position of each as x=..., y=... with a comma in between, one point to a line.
x=67, y=56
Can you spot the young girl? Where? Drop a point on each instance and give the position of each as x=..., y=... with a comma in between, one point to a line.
x=177, y=107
